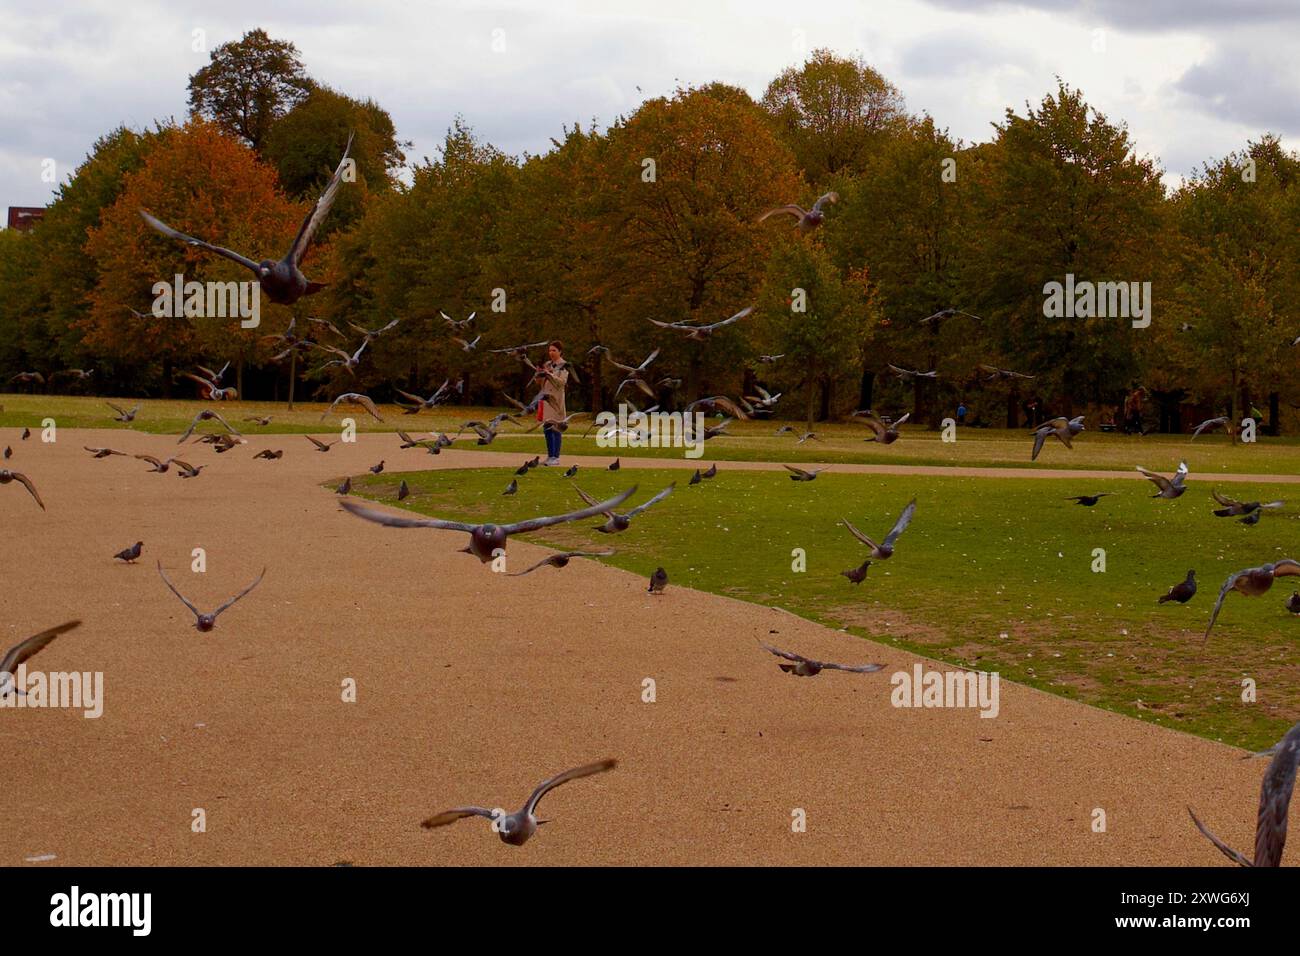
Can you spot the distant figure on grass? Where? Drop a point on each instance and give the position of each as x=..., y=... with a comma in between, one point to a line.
x=961, y=413
x=553, y=377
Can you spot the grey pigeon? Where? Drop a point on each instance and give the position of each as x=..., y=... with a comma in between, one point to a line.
x=807, y=667
x=512, y=488
x=695, y=478
x=122, y=414
x=1169, y=487
x=615, y=521
x=1274, y=802
x=516, y=828
x=206, y=622
x=859, y=574
x=25, y=650
x=1252, y=582
x=798, y=474
x=484, y=539
x=130, y=554
x=320, y=445
x=403, y=491
x=1212, y=423
x=699, y=333
x=882, y=433
x=806, y=219
x=710, y=472
x=1232, y=507
x=658, y=581
x=282, y=281
x=571, y=471
x=1252, y=518
x=1182, y=592
x=885, y=548
x=376, y=469
x=1062, y=428
x=1293, y=602
x=345, y=488
x=7, y=476
x=561, y=560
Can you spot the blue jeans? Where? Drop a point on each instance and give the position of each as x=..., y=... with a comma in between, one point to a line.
x=553, y=437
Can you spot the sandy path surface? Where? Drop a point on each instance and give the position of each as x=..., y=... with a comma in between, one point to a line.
x=473, y=686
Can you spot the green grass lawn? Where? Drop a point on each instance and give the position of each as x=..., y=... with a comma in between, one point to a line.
x=994, y=574
x=749, y=441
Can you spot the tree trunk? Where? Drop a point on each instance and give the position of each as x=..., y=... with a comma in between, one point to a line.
x=866, y=387
x=293, y=375
x=1274, y=415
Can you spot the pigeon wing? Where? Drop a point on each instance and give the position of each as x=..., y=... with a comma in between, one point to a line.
x=34, y=644
x=532, y=524
x=240, y=594
x=159, y=226
x=901, y=524
x=546, y=786
x=318, y=212
x=396, y=521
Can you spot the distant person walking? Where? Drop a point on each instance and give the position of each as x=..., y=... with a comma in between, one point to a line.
x=961, y=413
x=553, y=377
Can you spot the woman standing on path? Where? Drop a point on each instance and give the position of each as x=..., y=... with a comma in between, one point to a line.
x=553, y=377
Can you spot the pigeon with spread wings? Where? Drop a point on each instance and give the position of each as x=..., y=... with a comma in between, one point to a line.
x=1169, y=487
x=516, y=828
x=616, y=521
x=484, y=539
x=7, y=476
x=807, y=667
x=885, y=548
x=206, y=622
x=24, y=651
x=880, y=432
x=282, y=281
x=354, y=398
x=1274, y=804
x=807, y=219
x=698, y=333
x=1252, y=582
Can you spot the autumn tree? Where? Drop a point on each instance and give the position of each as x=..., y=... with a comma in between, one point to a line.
x=204, y=183
x=248, y=84
x=832, y=111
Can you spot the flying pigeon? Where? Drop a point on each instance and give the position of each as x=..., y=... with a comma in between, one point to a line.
x=1062, y=428
x=807, y=219
x=7, y=476
x=561, y=560
x=1169, y=487
x=807, y=667
x=615, y=521
x=25, y=650
x=282, y=281
x=1252, y=582
x=798, y=474
x=206, y=622
x=885, y=548
x=1089, y=500
x=516, y=828
x=885, y=434
x=484, y=539
x=1274, y=802
x=698, y=333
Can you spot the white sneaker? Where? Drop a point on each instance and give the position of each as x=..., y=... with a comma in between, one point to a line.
x=551, y=461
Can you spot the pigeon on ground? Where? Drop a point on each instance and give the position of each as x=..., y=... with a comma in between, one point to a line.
x=1274, y=802
x=263, y=421
x=1089, y=500
x=485, y=539
x=27, y=433
x=1252, y=582
x=206, y=622
x=616, y=465
x=616, y=521
x=7, y=476
x=512, y=488
x=798, y=474
x=806, y=219
x=282, y=281
x=561, y=560
x=403, y=491
x=345, y=488
x=571, y=471
x=1169, y=487
x=807, y=667
x=695, y=478
x=1182, y=592
x=658, y=581
x=25, y=650
x=1293, y=602
x=710, y=472
x=130, y=554
x=885, y=548
x=516, y=828
x=376, y=469
x=859, y=574
x=8, y=453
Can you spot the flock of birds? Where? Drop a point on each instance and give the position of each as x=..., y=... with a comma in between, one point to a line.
x=284, y=283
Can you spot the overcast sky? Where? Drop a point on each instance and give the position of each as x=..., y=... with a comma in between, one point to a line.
x=1193, y=79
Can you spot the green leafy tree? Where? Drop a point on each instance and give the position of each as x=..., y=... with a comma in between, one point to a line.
x=248, y=84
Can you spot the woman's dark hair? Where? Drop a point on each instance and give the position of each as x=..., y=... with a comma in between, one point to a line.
x=558, y=344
